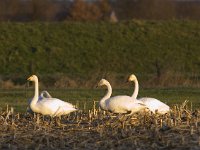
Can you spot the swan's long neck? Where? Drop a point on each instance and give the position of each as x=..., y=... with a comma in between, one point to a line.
x=35, y=98
x=136, y=89
x=107, y=96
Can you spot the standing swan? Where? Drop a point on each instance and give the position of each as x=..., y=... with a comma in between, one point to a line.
x=119, y=104
x=151, y=103
x=48, y=106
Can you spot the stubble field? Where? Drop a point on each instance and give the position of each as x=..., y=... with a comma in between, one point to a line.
x=91, y=128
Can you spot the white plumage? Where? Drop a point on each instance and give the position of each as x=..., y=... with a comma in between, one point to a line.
x=119, y=104
x=151, y=103
x=43, y=94
x=49, y=106
x=155, y=105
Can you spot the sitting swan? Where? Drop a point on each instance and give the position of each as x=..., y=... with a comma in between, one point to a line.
x=119, y=104
x=152, y=104
x=49, y=106
x=43, y=94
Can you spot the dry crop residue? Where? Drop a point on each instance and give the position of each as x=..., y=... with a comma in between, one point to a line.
x=180, y=129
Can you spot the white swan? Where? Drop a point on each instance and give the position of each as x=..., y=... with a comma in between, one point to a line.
x=152, y=104
x=49, y=106
x=119, y=104
x=43, y=94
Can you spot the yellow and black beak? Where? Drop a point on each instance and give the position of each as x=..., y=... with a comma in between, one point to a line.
x=29, y=79
x=98, y=85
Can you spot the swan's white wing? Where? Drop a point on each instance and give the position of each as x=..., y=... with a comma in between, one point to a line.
x=154, y=104
x=59, y=102
x=63, y=110
x=50, y=106
x=123, y=104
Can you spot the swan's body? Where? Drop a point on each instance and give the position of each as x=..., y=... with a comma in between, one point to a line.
x=154, y=105
x=124, y=104
x=43, y=94
x=49, y=106
x=53, y=107
x=119, y=104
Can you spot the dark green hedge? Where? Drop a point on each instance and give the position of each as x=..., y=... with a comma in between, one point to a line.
x=144, y=47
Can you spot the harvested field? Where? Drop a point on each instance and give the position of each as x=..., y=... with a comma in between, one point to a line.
x=94, y=129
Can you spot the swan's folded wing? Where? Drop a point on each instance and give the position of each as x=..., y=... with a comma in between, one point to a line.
x=59, y=102
x=124, y=104
x=154, y=104
x=52, y=105
x=63, y=110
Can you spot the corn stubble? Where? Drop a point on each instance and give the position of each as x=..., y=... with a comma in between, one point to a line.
x=93, y=129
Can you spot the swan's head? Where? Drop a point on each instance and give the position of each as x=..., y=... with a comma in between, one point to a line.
x=32, y=78
x=132, y=78
x=102, y=82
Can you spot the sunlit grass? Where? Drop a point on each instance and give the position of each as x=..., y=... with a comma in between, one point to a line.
x=18, y=98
